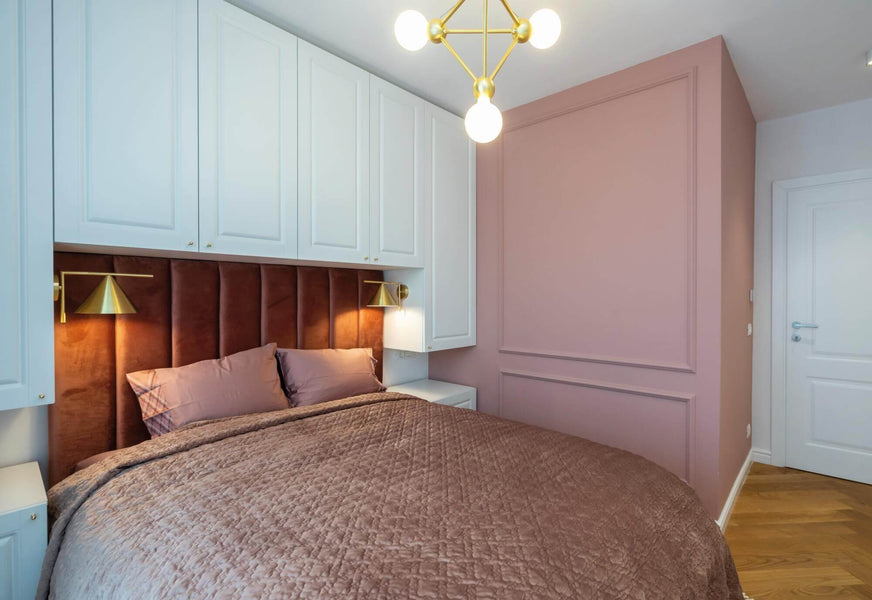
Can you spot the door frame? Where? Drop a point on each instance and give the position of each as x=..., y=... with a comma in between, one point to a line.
x=778, y=387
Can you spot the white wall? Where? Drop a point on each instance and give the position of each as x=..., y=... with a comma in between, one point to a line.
x=403, y=367
x=823, y=141
x=24, y=437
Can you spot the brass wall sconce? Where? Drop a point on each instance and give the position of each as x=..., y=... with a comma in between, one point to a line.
x=384, y=297
x=107, y=298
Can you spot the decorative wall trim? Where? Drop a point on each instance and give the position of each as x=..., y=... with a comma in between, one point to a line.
x=689, y=400
x=734, y=492
x=610, y=360
x=689, y=365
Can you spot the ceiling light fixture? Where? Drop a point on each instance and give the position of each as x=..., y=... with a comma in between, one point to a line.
x=483, y=120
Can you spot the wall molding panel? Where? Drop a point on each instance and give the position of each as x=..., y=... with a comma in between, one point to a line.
x=687, y=400
x=688, y=363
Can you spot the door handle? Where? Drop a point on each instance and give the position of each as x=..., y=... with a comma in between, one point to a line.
x=801, y=325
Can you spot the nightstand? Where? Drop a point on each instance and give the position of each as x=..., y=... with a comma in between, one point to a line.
x=440, y=392
x=23, y=530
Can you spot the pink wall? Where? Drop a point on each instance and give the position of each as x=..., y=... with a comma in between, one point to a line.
x=737, y=275
x=599, y=265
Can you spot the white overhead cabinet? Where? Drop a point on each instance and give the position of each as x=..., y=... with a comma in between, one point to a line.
x=440, y=311
x=248, y=134
x=125, y=118
x=193, y=125
x=451, y=234
x=397, y=168
x=333, y=158
x=26, y=323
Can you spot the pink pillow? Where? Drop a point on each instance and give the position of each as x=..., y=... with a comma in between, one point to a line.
x=239, y=384
x=313, y=376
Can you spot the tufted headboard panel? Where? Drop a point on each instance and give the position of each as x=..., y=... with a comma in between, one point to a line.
x=190, y=311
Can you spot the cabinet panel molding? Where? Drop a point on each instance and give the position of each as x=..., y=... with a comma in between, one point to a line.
x=125, y=85
x=333, y=158
x=26, y=310
x=396, y=176
x=440, y=312
x=248, y=134
x=451, y=234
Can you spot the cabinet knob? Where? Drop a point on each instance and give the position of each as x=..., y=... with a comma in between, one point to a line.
x=429, y=347
x=375, y=259
x=365, y=258
x=190, y=243
x=33, y=516
x=208, y=245
x=42, y=396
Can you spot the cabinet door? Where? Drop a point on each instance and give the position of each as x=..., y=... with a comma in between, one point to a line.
x=396, y=208
x=248, y=134
x=26, y=322
x=22, y=546
x=450, y=311
x=333, y=158
x=125, y=90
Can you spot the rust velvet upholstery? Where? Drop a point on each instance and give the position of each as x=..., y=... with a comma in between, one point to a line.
x=190, y=311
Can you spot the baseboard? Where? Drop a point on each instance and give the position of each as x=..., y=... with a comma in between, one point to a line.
x=759, y=455
x=734, y=492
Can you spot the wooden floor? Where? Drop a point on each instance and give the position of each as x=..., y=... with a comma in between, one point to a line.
x=799, y=535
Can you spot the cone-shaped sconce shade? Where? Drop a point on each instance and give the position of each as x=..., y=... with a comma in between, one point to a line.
x=107, y=299
x=383, y=297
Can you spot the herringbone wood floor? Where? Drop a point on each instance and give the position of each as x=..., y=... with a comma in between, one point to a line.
x=800, y=535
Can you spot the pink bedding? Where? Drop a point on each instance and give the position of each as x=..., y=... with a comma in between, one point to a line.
x=380, y=496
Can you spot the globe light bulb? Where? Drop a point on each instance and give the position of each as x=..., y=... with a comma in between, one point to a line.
x=410, y=30
x=546, y=28
x=483, y=121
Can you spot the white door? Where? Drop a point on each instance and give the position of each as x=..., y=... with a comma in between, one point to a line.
x=248, y=134
x=125, y=106
x=333, y=158
x=829, y=327
x=26, y=311
x=396, y=176
x=450, y=318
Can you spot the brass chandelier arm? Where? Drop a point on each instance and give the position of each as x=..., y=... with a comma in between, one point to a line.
x=479, y=31
x=484, y=38
x=512, y=14
x=460, y=60
x=504, y=58
x=451, y=12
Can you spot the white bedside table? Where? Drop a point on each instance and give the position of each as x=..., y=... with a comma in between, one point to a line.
x=439, y=392
x=23, y=530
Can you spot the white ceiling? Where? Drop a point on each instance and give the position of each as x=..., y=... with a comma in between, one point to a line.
x=792, y=55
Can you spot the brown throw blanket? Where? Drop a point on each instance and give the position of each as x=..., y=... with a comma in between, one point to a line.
x=380, y=496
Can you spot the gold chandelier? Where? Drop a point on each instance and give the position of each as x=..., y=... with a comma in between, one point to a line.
x=483, y=120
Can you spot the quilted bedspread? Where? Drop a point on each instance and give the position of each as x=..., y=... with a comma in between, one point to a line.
x=380, y=496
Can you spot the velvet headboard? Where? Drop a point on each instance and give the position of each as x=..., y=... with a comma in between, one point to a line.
x=190, y=311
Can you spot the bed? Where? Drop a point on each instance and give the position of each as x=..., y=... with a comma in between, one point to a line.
x=380, y=496
x=374, y=496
